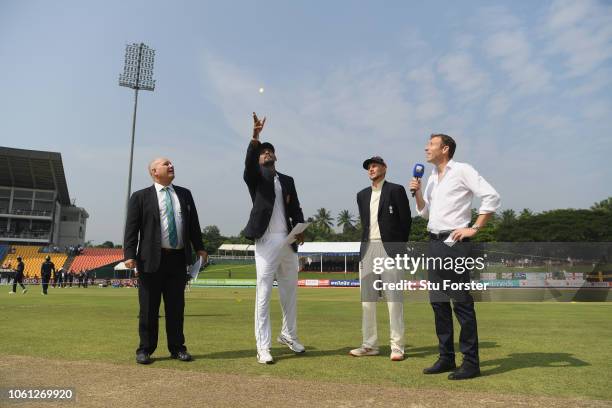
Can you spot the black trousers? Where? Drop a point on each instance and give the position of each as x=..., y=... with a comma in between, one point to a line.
x=167, y=282
x=45, y=283
x=18, y=279
x=461, y=300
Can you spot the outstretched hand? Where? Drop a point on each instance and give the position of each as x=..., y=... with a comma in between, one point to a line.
x=258, y=126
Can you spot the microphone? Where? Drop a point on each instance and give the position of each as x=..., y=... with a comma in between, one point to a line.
x=417, y=172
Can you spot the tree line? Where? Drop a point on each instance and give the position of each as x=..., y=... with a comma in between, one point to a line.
x=561, y=225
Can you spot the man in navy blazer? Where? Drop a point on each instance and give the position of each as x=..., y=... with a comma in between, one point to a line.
x=161, y=228
x=385, y=218
x=276, y=210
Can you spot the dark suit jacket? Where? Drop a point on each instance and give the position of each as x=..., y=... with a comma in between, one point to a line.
x=394, y=218
x=20, y=268
x=260, y=181
x=142, y=240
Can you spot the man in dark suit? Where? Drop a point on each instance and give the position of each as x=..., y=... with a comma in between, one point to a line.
x=161, y=227
x=385, y=217
x=276, y=210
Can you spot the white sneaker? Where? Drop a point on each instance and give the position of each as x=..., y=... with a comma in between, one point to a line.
x=397, y=354
x=264, y=357
x=11, y=293
x=292, y=344
x=364, y=351
x=24, y=291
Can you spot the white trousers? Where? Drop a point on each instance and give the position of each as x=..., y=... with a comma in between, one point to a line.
x=396, y=325
x=273, y=259
x=396, y=307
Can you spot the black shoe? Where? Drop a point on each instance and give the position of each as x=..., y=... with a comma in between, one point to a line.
x=440, y=366
x=464, y=372
x=181, y=355
x=143, y=358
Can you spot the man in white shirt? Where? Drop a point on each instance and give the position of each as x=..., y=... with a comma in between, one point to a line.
x=447, y=203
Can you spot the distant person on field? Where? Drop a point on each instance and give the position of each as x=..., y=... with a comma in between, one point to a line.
x=18, y=278
x=46, y=269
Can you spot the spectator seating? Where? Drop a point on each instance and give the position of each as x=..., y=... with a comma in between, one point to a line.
x=33, y=258
x=93, y=258
x=3, y=251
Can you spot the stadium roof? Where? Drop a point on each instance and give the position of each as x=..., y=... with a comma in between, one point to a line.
x=236, y=247
x=308, y=248
x=33, y=169
x=329, y=248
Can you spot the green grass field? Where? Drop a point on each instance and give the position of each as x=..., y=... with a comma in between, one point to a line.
x=224, y=271
x=551, y=349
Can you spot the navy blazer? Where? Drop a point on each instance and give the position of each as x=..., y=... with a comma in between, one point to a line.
x=142, y=240
x=260, y=181
x=394, y=219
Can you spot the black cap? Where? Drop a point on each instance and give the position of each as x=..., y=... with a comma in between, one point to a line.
x=19, y=258
x=375, y=159
x=48, y=258
x=266, y=145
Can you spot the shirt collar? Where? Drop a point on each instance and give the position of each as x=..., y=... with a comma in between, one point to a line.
x=159, y=187
x=380, y=185
x=449, y=165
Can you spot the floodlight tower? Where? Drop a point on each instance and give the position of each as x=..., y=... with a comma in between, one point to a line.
x=137, y=74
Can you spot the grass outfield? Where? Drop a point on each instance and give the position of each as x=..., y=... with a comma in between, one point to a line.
x=222, y=271
x=544, y=349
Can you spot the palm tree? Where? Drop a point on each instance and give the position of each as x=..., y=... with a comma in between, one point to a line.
x=324, y=219
x=345, y=220
x=604, y=205
x=508, y=216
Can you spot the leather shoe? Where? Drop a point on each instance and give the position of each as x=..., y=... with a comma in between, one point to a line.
x=143, y=358
x=181, y=355
x=440, y=366
x=464, y=372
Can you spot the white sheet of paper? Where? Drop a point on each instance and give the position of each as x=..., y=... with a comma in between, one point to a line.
x=298, y=229
x=450, y=241
x=195, y=268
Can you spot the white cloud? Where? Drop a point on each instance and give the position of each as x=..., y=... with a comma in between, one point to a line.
x=513, y=51
x=593, y=83
x=428, y=98
x=499, y=104
x=462, y=74
x=597, y=110
x=581, y=32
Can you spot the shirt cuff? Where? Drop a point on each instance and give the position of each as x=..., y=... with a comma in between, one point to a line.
x=424, y=213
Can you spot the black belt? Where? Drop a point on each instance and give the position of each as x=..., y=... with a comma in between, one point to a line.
x=169, y=251
x=441, y=236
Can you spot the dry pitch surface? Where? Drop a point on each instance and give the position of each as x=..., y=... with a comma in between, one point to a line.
x=114, y=385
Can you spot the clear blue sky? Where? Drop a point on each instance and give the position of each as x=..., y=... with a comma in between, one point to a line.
x=523, y=86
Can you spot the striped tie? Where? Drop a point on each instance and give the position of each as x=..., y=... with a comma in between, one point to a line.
x=171, y=221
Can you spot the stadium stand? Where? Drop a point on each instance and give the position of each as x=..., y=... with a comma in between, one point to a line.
x=33, y=258
x=3, y=252
x=93, y=258
x=35, y=207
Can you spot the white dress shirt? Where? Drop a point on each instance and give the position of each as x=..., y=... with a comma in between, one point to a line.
x=163, y=217
x=278, y=224
x=448, y=202
x=374, y=201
